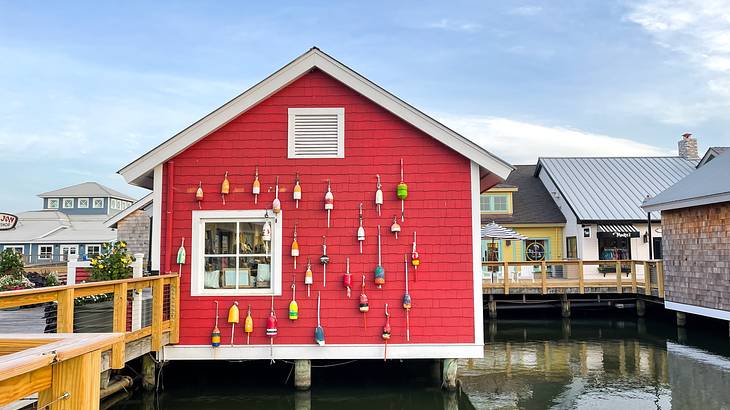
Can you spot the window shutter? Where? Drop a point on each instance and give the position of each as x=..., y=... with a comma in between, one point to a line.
x=316, y=133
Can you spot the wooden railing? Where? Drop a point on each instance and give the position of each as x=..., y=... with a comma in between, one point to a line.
x=121, y=290
x=581, y=276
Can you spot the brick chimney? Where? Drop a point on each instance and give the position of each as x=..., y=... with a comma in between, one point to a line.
x=688, y=147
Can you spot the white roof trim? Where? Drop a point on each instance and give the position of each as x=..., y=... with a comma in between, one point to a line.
x=689, y=202
x=135, y=172
x=141, y=203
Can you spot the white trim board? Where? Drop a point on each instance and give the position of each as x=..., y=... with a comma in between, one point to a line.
x=476, y=228
x=136, y=172
x=326, y=352
x=698, y=310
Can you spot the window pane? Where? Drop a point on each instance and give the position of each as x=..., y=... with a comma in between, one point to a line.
x=220, y=238
x=484, y=202
x=500, y=203
x=254, y=272
x=220, y=272
x=251, y=240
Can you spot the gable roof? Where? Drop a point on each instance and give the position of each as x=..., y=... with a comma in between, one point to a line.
x=710, y=154
x=140, y=171
x=613, y=188
x=531, y=203
x=86, y=189
x=707, y=185
x=140, y=204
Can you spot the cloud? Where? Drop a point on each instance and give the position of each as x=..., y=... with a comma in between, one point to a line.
x=455, y=25
x=529, y=10
x=522, y=143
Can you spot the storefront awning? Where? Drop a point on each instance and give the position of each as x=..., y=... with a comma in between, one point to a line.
x=618, y=230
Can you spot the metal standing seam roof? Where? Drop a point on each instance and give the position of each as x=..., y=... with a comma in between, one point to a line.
x=86, y=189
x=613, y=188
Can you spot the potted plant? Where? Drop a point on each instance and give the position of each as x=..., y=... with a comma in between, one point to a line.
x=12, y=273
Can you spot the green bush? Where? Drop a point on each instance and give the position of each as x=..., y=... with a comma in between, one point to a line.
x=12, y=273
x=112, y=263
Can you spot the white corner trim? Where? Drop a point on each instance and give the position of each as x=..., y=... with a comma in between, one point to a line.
x=698, y=310
x=326, y=352
x=289, y=73
x=156, y=219
x=476, y=228
x=197, y=261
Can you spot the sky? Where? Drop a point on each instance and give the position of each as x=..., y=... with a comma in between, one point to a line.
x=88, y=87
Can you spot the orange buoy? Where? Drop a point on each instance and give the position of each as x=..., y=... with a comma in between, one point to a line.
x=297, y=191
x=248, y=325
x=415, y=257
x=308, y=276
x=386, y=332
x=295, y=247
x=329, y=202
x=225, y=187
x=256, y=190
x=347, y=279
x=199, y=194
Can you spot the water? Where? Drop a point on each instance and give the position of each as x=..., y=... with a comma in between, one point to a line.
x=592, y=363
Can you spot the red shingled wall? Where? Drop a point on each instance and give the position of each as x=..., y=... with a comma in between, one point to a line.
x=438, y=208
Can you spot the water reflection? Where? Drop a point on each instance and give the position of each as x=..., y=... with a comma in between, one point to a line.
x=596, y=364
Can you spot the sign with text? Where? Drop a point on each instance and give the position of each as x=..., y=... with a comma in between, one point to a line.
x=7, y=221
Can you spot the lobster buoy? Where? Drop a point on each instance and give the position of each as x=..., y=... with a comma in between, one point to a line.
x=256, y=190
x=361, y=231
x=233, y=318
x=386, y=332
x=248, y=325
x=395, y=228
x=199, y=194
x=225, y=188
x=379, y=270
x=378, y=195
x=407, y=301
x=215, y=335
x=364, y=306
x=347, y=279
x=293, y=306
x=271, y=327
x=276, y=205
x=319, y=330
x=329, y=202
x=401, y=192
x=308, y=277
x=297, y=192
x=266, y=230
x=181, y=256
x=324, y=259
x=295, y=247
x=415, y=257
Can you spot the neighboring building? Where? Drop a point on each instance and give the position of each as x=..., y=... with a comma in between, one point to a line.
x=318, y=119
x=696, y=236
x=524, y=205
x=134, y=226
x=601, y=199
x=712, y=153
x=70, y=223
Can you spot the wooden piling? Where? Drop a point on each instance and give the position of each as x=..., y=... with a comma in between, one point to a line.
x=303, y=374
x=149, y=372
x=448, y=374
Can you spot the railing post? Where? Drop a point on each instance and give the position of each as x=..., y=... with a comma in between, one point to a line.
x=65, y=311
x=633, y=277
x=119, y=324
x=647, y=279
x=581, y=277
x=71, y=266
x=157, y=305
x=175, y=310
x=660, y=278
x=505, y=277
x=77, y=377
x=543, y=276
x=137, y=298
x=619, y=286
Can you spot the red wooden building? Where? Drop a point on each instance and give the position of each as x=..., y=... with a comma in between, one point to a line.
x=319, y=120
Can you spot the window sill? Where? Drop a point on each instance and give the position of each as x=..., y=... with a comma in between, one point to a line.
x=235, y=292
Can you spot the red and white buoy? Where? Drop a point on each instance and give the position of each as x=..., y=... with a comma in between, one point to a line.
x=386, y=332
x=347, y=279
x=276, y=205
x=308, y=276
x=395, y=228
x=271, y=327
x=378, y=195
x=297, y=192
x=256, y=190
x=295, y=247
x=329, y=202
x=199, y=195
x=361, y=231
x=364, y=305
x=415, y=258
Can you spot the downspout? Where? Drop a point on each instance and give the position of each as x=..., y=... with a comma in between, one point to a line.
x=169, y=206
x=651, y=241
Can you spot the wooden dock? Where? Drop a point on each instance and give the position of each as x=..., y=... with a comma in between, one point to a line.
x=52, y=364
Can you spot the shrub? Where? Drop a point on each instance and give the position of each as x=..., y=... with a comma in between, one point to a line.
x=12, y=274
x=14, y=282
x=112, y=263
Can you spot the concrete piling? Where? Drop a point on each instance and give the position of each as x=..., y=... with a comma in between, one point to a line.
x=565, y=305
x=640, y=307
x=492, y=304
x=449, y=374
x=681, y=319
x=303, y=374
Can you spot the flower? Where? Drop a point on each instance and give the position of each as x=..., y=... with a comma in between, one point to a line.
x=123, y=244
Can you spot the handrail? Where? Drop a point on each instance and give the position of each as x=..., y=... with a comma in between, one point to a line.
x=612, y=271
x=65, y=295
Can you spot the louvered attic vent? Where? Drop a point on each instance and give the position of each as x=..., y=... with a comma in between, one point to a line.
x=316, y=132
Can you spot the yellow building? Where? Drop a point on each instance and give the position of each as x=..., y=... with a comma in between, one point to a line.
x=524, y=205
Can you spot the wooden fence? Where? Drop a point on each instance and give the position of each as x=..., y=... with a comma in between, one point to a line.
x=578, y=276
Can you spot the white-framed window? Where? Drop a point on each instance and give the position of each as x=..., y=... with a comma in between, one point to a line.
x=93, y=251
x=83, y=203
x=67, y=250
x=45, y=251
x=230, y=256
x=68, y=203
x=316, y=133
x=98, y=202
x=16, y=248
x=112, y=203
x=52, y=203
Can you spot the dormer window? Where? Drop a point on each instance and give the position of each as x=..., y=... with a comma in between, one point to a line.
x=98, y=202
x=68, y=203
x=316, y=132
x=497, y=202
x=52, y=203
x=83, y=203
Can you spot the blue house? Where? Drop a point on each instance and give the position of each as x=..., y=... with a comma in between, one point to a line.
x=70, y=223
